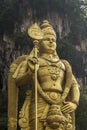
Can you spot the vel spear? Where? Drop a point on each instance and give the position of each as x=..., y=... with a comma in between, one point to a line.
x=36, y=34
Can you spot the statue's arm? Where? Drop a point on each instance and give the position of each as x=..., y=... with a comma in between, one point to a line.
x=23, y=79
x=71, y=84
x=75, y=91
x=24, y=74
x=24, y=71
x=20, y=70
x=19, y=75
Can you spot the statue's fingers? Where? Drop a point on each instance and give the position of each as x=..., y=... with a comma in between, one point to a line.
x=66, y=111
x=66, y=108
x=70, y=110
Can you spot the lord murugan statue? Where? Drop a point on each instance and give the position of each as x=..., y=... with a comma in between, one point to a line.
x=51, y=102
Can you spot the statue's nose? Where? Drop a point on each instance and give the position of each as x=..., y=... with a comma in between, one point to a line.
x=51, y=41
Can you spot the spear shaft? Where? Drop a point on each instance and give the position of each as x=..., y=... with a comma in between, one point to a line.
x=36, y=34
x=35, y=53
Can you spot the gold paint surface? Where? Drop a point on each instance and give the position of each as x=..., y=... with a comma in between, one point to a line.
x=53, y=99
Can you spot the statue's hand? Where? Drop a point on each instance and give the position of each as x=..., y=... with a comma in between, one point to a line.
x=68, y=107
x=32, y=61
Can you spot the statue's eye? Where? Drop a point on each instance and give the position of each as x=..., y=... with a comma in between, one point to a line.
x=46, y=39
x=53, y=40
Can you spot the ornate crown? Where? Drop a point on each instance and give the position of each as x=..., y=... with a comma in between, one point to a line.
x=47, y=28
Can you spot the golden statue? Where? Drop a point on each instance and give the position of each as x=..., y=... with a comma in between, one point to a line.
x=54, y=97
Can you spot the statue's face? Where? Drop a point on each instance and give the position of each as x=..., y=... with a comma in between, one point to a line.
x=48, y=44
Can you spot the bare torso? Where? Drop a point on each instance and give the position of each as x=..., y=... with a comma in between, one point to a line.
x=51, y=75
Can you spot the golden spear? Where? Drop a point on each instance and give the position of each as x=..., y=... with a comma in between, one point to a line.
x=36, y=34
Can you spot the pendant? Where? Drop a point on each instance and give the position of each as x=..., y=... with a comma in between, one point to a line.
x=54, y=77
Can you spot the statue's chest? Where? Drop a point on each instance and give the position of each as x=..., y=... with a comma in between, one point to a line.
x=52, y=69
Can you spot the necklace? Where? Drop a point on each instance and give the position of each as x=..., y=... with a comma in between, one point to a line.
x=54, y=67
x=54, y=70
x=50, y=59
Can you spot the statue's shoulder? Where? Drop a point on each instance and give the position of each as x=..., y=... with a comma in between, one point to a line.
x=66, y=63
x=16, y=62
x=20, y=59
x=42, y=62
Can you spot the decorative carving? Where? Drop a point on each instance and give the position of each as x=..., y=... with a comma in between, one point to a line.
x=24, y=112
x=12, y=122
x=35, y=32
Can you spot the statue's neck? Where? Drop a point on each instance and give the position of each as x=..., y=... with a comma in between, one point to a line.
x=50, y=57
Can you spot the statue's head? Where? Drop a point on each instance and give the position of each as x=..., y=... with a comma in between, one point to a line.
x=48, y=43
x=47, y=28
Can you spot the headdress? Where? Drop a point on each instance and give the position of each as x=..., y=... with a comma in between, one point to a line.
x=47, y=28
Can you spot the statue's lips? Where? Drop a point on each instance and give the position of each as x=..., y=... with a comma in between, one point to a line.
x=51, y=45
